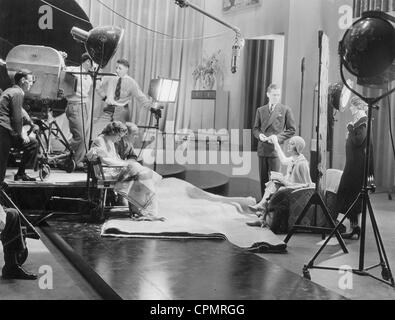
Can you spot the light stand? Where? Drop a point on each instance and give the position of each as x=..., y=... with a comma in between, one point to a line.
x=316, y=198
x=366, y=205
x=162, y=90
x=374, y=30
x=101, y=43
x=157, y=113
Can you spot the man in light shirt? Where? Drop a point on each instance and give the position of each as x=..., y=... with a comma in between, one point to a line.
x=78, y=110
x=13, y=244
x=118, y=92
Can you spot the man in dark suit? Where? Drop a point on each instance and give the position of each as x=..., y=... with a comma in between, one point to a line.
x=273, y=118
x=11, y=236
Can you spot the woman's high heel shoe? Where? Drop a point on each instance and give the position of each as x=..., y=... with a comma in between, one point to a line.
x=354, y=234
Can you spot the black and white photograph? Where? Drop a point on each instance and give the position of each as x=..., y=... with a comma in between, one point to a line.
x=171, y=153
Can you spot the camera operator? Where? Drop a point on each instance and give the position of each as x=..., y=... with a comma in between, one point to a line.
x=12, y=116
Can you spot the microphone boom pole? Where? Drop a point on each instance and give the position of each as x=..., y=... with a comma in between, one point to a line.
x=239, y=40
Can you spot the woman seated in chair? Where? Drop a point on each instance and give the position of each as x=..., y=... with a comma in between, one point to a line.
x=298, y=176
x=143, y=204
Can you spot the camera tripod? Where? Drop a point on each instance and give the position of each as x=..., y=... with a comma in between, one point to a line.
x=386, y=273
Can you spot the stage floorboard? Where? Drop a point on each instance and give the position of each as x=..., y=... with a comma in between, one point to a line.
x=183, y=269
x=46, y=261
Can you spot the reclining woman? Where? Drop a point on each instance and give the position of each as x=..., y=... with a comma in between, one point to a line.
x=143, y=204
x=298, y=176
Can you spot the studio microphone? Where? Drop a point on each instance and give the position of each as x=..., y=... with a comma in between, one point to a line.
x=235, y=55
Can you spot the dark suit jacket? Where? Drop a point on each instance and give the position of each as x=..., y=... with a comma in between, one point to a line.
x=280, y=122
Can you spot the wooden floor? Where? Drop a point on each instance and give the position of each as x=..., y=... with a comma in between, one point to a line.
x=148, y=269
x=302, y=248
x=202, y=269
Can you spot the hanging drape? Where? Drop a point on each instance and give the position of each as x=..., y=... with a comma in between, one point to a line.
x=258, y=76
x=361, y=6
x=383, y=153
x=152, y=54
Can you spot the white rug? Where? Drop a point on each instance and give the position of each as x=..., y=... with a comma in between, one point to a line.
x=193, y=213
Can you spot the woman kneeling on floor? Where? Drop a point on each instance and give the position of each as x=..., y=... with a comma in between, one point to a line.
x=135, y=182
x=298, y=176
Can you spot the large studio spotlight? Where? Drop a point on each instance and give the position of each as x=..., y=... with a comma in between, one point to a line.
x=367, y=51
x=101, y=43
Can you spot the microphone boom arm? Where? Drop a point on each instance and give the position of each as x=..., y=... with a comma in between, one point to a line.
x=186, y=3
x=239, y=40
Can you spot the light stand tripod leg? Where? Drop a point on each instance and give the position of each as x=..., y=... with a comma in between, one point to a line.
x=386, y=269
x=334, y=231
x=316, y=200
x=363, y=231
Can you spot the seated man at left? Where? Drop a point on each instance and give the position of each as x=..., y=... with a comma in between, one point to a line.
x=13, y=244
x=12, y=116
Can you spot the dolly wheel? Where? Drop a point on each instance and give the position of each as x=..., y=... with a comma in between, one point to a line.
x=69, y=165
x=306, y=273
x=385, y=273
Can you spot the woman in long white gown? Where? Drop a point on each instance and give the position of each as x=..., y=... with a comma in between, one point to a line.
x=136, y=183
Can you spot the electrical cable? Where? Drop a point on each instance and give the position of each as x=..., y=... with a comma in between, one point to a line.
x=390, y=122
x=158, y=32
x=138, y=25
x=65, y=12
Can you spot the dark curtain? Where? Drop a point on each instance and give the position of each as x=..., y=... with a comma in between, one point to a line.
x=383, y=153
x=258, y=76
x=361, y=6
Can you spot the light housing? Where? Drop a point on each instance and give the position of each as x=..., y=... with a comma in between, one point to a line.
x=367, y=49
x=101, y=43
x=164, y=90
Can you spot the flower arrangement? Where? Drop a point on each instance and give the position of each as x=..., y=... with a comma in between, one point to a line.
x=210, y=71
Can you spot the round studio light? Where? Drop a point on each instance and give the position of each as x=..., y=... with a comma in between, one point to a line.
x=368, y=47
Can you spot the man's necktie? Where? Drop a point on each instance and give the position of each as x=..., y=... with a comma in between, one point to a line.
x=117, y=93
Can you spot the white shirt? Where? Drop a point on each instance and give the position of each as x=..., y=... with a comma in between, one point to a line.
x=129, y=90
x=86, y=85
x=3, y=217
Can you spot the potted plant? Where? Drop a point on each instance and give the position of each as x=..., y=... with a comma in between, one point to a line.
x=210, y=71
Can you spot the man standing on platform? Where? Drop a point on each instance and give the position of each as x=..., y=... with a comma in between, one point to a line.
x=272, y=119
x=118, y=92
x=78, y=109
x=12, y=115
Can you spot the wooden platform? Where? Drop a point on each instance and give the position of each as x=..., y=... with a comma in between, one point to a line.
x=151, y=269
x=210, y=181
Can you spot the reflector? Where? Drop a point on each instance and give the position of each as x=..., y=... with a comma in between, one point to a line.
x=368, y=49
x=101, y=43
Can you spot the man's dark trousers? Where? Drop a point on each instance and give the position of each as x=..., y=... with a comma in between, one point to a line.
x=267, y=164
x=6, y=142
